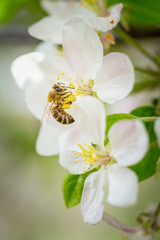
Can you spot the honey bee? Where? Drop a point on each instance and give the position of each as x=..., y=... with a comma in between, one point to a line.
x=59, y=98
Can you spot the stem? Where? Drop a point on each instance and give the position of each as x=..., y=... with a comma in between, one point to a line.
x=133, y=42
x=116, y=224
x=147, y=119
x=147, y=71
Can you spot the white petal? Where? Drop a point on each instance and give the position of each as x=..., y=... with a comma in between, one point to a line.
x=48, y=29
x=93, y=118
x=68, y=145
x=47, y=141
x=92, y=198
x=64, y=9
x=115, y=79
x=157, y=130
x=47, y=48
x=105, y=24
x=26, y=69
x=36, y=98
x=129, y=141
x=82, y=48
x=123, y=186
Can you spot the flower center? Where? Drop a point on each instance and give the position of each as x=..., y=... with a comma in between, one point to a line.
x=66, y=94
x=93, y=156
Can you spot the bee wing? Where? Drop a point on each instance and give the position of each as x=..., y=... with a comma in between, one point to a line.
x=46, y=113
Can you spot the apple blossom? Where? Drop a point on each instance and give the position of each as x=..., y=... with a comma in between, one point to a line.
x=81, y=151
x=50, y=28
x=81, y=63
x=111, y=77
x=35, y=73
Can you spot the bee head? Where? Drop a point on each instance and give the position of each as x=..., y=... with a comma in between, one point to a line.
x=58, y=88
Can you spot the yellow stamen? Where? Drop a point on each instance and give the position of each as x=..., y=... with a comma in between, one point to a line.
x=76, y=161
x=69, y=79
x=75, y=106
x=75, y=153
x=58, y=78
x=84, y=171
x=62, y=73
x=112, y=21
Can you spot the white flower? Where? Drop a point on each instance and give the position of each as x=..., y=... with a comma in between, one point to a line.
x=113, y=74
x=114, y=182
x=37, y=72
x=157, y=130
x=50, y=28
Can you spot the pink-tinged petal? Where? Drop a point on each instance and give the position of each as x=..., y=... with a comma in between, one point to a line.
x=122, y=186
x=82, y=48
x=68, y=146
x=105, y=24
x=92, y=198
x=48, y=29
x=26, y=69
x=129, y=141
x=93, y=118
x=115, y=79
x=66, y=9
x=48, y=138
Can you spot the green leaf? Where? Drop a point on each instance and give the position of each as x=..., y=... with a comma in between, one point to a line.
x=148, y=166
x=140, y=12
x=73, y=187
x=140, y=86
x=8, y=8
x=111, y=119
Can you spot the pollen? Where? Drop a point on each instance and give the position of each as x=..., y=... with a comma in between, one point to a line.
x=76, y=160
x=84, y=171
x=62, y=73
x=75, y=153
x=110, y=38
x=112, y=21
x=58, y=78
x=75, y=106
x=69, y=79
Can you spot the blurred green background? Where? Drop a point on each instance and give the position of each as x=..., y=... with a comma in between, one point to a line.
x=31, y=201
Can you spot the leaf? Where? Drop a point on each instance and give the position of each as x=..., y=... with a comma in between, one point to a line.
x=111, y=119
x=8, y=8
x=140, y=12
x=148, y=166
x=143, y=85
x=73, y=187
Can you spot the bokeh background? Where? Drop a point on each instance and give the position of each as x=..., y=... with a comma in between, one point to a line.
x=31, y=201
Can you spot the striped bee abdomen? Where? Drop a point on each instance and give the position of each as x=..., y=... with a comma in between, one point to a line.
x=61, y=116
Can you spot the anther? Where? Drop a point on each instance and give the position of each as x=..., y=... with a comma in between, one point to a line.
x=112, y=21
x=75, y=153
x=76, y=161
x=58, y=78
x=62, y=73
x=69, y=79
x=75, y=106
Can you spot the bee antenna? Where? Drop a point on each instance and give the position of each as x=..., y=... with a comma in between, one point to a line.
x=61, y=83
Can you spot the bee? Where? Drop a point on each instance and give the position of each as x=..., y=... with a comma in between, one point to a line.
x=59, y=98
